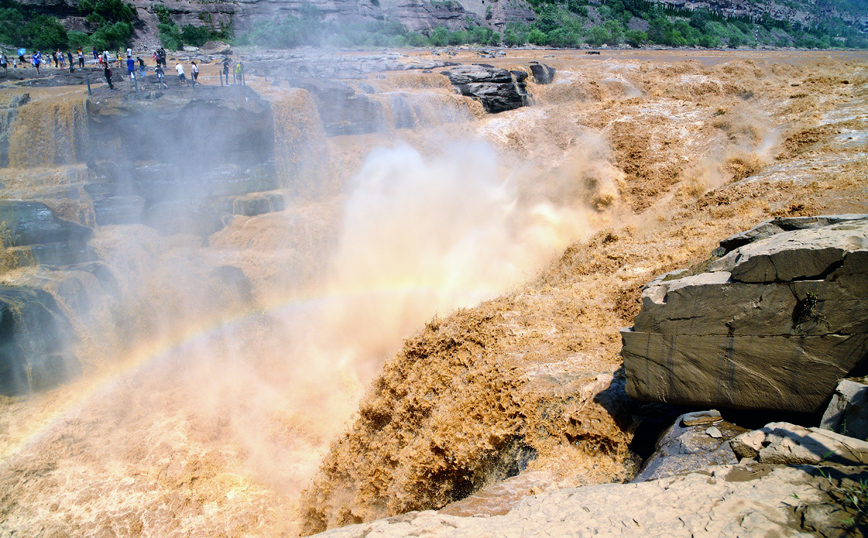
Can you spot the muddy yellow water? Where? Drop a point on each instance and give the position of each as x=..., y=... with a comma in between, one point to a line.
x=435, y=296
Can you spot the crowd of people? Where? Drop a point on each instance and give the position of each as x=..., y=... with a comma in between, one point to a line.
x=134, y=66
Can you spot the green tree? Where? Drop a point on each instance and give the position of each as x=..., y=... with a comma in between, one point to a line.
x=635, y=38
x=44, y=33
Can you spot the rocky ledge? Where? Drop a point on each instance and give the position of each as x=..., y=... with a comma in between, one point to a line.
x=771, y=321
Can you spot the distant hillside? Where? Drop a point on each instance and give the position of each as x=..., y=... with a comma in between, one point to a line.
x=49, y=24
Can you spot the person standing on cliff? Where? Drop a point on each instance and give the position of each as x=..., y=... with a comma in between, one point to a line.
x=4, y=63
x=182, y=79
x=160, y=75
x=194, y=73
x=108, y=76
x=71, y=63
x=131, y=68
x=226, y=68
x=37, y=59
x=141, y=66
x=81, y=57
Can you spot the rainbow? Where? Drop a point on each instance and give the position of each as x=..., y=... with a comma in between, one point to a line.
x=73, y=397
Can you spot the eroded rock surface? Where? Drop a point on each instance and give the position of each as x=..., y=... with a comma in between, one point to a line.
x=731, y=500
x=696, y=440
x=497, y=89
x=772, y=323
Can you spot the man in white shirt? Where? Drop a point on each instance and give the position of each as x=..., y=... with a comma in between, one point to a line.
x=182, y=79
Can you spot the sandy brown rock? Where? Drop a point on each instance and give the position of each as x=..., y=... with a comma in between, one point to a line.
x=772, y=324
x=727, y=501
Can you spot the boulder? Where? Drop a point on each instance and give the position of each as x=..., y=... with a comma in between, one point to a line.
x=694, y=441
x=342, y=110
x=848, y=411
x=216, y=47
x=34, y=335
x=772, y=322
x=32, y=234
x=497, y=89
x=542, y=74
x=789, y=444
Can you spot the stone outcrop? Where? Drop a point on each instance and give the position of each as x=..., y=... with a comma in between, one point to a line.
x=694, y=441
x=772, y=321
x=542, y=74
x=729, y=500
x=789, y=444
x=34, y=336
x=848, y=411
x=32, y=234
x=497, y=89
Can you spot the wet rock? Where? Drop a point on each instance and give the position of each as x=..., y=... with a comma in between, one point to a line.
x=110, y=208
x=688, y=445
x=790, y=444
x=542, y=74
x=8, y=113
x=341, y=110
x=771, y=324
x=235, y=281
x=33, y=341
x=258, y=204
x=497, y=89
x=33, y=234
x=848, y=411
x=216, y=47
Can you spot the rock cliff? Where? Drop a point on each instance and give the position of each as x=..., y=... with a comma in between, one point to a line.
x=772, y=321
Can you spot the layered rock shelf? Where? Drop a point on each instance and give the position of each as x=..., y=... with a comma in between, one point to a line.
x=772, y=321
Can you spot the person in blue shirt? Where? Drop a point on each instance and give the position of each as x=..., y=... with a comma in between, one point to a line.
x=131, y=68
x=37, y=59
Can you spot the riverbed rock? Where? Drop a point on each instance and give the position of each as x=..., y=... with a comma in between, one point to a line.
x=542, y=73
x=694, y=441
x=771, y=322
x=34, y=335
x=728, y=500
x=848, y=411
x=497, y=89
x=790, y=444
x=31, y=233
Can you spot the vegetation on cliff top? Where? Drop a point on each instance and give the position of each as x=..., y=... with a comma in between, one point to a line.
x=577, y=23
x=568, y=24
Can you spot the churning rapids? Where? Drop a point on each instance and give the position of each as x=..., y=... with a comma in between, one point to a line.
x=274, y=309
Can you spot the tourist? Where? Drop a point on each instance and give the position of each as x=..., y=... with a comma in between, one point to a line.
x=108, y=76
x=61, y=61
x=81, y=57
x=131, y=68
x=226, y=68
x=95, y=55
x=160, y=74
x=141, y=66
x=194, y=72
x=56, y=61
x=129, y=52
x=120, y=58
x=239, y=73
x=182, y=79
x=4, y=63
x=71, y=63
x=37, y=59
x=21, y=61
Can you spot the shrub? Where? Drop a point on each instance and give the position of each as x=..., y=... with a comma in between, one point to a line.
x=537, y=37
x=563, y=37
x=635, y=38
